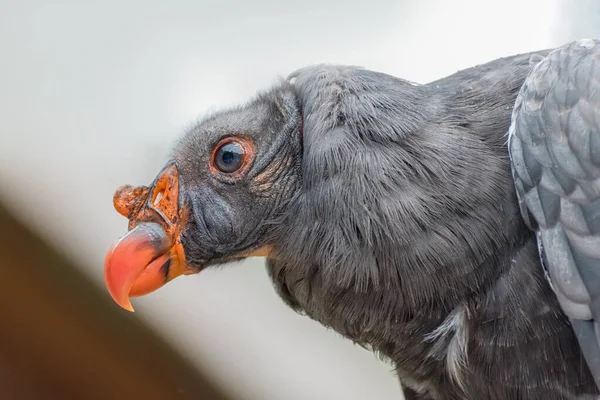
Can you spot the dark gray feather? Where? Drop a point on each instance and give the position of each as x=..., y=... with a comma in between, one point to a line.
x=407, y=236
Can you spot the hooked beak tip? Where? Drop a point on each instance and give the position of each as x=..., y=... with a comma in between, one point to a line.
x=133, y=265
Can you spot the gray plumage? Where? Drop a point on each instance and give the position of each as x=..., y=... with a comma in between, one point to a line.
x=554, y=144
x=391, y=212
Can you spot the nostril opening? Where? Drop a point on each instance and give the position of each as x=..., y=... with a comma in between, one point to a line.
x=158, y=198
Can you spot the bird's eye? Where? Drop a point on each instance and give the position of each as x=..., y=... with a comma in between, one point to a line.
x=230, y=155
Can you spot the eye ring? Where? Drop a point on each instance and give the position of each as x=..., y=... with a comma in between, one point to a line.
x=231, y=157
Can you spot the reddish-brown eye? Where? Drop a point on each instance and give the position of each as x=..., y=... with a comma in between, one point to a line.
x=230, y=155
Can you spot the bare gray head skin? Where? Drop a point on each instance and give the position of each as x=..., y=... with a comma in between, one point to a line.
x=387, y=212
x=233, y=214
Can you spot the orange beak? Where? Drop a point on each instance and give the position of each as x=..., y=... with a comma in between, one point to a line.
x=151, y=253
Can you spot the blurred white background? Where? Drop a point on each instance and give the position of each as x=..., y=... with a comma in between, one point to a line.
x=93, y=94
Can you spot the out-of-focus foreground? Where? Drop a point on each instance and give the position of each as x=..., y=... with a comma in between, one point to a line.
x=61, y=339
x=92, y=96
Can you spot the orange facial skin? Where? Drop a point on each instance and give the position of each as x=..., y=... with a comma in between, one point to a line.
x=151, y=253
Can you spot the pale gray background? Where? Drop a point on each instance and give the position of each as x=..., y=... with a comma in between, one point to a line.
x=93, y=93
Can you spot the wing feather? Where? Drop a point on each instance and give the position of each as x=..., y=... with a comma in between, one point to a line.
x=554, y=145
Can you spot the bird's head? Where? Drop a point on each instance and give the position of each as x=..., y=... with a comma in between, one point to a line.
x=228, y=181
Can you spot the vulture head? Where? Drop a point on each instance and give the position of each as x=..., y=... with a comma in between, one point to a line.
x=365, y=197
x=228, y=183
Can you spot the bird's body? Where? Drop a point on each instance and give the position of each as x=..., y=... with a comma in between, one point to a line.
x=387, y=211
x=472, y=315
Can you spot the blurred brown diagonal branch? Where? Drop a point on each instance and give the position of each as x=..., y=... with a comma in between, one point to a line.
x=61, y=338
